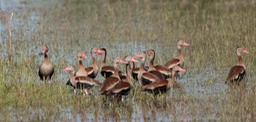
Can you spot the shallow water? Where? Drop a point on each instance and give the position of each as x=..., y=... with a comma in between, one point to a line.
x=33, y=26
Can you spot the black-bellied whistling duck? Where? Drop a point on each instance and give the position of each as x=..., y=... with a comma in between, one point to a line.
x=238, y=71
x=83, y=81
x=159, y=70
x=135, y=70
x=145, y=77
x=123, y=87
x=106, y=70
x=180, y=60
x=164, y=85
x=81, y=71
x=46, y=69
x=112, y=80
x=92, y=70
x=71, y=81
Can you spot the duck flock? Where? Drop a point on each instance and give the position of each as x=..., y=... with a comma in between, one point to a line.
x=154, y=79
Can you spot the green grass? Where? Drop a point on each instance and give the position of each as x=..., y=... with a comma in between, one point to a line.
x=213, y=28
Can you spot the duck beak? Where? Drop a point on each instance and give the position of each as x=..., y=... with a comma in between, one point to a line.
x=185, y=44
x=83, y=55
x=122, y=61
x=65, y=69
x=134, y=60
x=136, y=56
x=245, y=51
x=99, y=52
x=181, y=69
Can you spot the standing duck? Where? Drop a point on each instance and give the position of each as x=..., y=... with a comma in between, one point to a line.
x=159, y=70
x=112, y=80
x=83, y=81
x=92, y=70
x=106, y=70
x=238, y=71
x=145, y=77
x=81, y=71
x=71, y=81
x=46, y=69
x=164, y=85
x=124, y=86
x=180, y=60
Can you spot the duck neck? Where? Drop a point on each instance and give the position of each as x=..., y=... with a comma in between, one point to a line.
x=104, y=57
x=94, y=65
x=151, y=64
x=128, y=73
x=180, y=55
x=81, y=65
x=131, y=65
x=240, y=60
x=116, y=71
x=142, y=68
x=94, y=62
x=46, y=59
x=72, y=75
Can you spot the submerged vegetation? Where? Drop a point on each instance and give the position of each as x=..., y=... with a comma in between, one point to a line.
x=213, y=28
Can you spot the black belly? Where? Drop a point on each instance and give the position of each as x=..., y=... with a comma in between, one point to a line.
x=92, y=75
x=135, y=76
x=45, y=76
x=83, y=85
x=240, y=77
x=145, y=81
x=106, y=74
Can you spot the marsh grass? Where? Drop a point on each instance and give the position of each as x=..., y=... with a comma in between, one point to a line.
x=213, y=29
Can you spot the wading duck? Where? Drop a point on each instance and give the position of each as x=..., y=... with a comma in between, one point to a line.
x=238, y=71
x=46, y=69
x=163, y=86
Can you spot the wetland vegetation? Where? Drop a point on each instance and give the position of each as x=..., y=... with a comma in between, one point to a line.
x=213, y=28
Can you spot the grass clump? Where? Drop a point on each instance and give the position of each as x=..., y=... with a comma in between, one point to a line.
x=213, y=28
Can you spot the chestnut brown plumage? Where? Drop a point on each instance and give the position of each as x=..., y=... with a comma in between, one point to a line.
x=112, y=80
x=238, y=71
x=106, y=70
x=71, y=81
x=83, y=81
x=124, y=86
x=145, y=77
x=164, y=85
x=46, y=69
x=159, y=70
x=80, y=82
x=179, y=61
x=93, y=70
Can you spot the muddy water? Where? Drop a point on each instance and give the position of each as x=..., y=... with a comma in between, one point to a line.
x=29, y=28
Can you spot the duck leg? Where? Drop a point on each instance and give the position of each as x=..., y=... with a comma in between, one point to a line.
x=74, y=91
x=85, y=92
